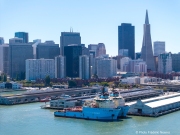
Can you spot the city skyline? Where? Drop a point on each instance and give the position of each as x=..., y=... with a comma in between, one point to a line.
x=95, y=23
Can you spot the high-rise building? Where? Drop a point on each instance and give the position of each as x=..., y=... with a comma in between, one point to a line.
x=4, y=59
x=60, y=67
x=18, y=53
x=68, y=38
x=1, y=40
x=124, y=61
x=35, y=43
x=146, y=51
x=132, y=64
x=137, y=55
x=47, y=50
x=126, y=39
x=176, y=62
x=93, y=47
x=84, y=67
x=140, y=67
x=39, y=69
x=106, y=68
x=165, y=63
x=101, y=50
x=23, y=35
x=72, y=53
x=159, y=47
x=123, y=52
x=15, y=40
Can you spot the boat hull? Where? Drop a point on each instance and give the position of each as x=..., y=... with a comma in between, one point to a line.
x=104, y=114
x=124, y=111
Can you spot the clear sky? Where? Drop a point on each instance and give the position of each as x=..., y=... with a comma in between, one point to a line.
x=96, y=20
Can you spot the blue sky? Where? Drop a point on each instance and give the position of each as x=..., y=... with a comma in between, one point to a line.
x=96, y=20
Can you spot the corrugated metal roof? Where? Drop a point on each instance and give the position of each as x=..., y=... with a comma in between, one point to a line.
x=163, y=102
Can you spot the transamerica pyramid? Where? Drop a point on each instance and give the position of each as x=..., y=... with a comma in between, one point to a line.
x=146, y=50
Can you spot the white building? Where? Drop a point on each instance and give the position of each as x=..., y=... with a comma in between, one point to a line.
x=106, y=68
x=4, y=58
x=133, y=63
x=165, y=63
x=60, y=67
x=140, y=67
x=84, y=67
x=131, y=80
x=147, y=79
x=39, y=68
x=124, y=61
x=159, y=47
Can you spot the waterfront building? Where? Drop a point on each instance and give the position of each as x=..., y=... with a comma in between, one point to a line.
x=146, y=50
x=4, y=58
x=123, y=52
x=159, y=47
x=124, y=61
x=18, y=53
x=147, y=79
x=72, y=53
x=60, y=67
x=68, y=38
x=165, y=63
x=131, y=80
x=101, y=50
x=106, y=68
x=176, y=62
x=84, y=67
x=1, y=40
x=126, y=39
x=155, y=106
x=23, y=35
x=39, y=69
x=47, y=50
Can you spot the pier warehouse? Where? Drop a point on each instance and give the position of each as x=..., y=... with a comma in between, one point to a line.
x=156, y=106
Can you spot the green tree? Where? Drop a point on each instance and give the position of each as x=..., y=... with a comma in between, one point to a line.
x=5, y=78
x=47, y=80
x=0, y=78
x=72, y=83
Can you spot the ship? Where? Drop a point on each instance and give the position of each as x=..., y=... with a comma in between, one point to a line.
x=118, y=102
x=102, y=109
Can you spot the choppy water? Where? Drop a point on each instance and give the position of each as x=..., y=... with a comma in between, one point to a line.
x=29, y=119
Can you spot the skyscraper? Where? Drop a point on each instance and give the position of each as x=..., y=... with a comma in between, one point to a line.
x=18, y=53
x=146, y=51
x=126, y=39
x=68, y=38
x=60, y=67
x=4, y=59
x=1, y=40
x=101, y=50
x=72, y=53
x=159, y=47
x=47, y=50
x=165, y=63
x=23, y=35
x=84, y=67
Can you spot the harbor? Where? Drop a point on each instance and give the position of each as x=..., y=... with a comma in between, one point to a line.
x=30, y=119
